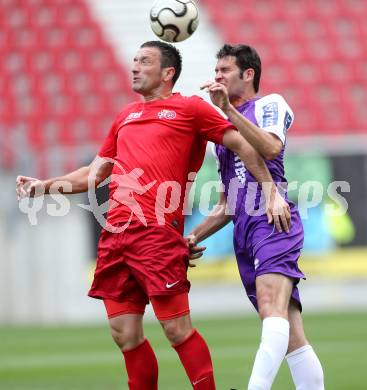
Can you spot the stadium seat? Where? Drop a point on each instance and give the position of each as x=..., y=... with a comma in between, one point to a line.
x=59, y=76
x=308, y=48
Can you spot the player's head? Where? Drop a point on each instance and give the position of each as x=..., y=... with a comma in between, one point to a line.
x=237, y=68
x=155, y=63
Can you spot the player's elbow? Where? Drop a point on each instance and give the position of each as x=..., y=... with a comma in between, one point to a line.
x=272, y=146
x=272, y=151
x=270, y=154
x=99, y=170
x=99, y=178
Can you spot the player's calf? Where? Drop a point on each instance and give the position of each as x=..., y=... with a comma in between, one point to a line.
x=195, y=357
x=173, y=314
x=127, y=332
x=141, y=376
x=271, y=352
x=306, y=369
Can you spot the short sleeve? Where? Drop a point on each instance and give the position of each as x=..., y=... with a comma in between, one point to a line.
x=274, y=115
x=109, y=146
x=210, y=125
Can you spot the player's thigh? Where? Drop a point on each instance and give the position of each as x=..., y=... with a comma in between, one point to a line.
x=114, y=281
x=273, y=292
x=297, y=338
x=158, y=259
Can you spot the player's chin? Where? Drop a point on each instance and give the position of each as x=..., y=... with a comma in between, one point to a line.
x=136, y=87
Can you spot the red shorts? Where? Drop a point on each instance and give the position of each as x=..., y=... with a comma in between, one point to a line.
x=139, y=263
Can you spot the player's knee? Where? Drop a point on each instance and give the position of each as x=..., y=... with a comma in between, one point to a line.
x=269, y=307
x=264, y=310
x=126, y=338
x=175, y=330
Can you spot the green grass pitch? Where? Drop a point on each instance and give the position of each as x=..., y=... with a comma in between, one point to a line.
x=85, y=358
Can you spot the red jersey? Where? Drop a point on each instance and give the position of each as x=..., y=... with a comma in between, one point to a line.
x=155, y=145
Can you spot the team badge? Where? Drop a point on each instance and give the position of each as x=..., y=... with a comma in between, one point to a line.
x=166, y=114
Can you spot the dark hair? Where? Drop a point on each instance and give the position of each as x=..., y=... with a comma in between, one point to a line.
x=170, y=56
x=246, y=57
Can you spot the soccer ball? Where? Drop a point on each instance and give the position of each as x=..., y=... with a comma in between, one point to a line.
x=174, y=20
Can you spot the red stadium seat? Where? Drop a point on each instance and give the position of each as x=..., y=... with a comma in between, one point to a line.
x=308, y=49
x=59, y=78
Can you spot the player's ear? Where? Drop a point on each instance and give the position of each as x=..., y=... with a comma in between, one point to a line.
x=248, y=74
x=168, y=73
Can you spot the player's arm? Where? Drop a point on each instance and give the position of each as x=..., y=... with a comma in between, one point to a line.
x=97, y=171
x=267, y=144
x=278, y=210
x=215, y=221
x=214, y=128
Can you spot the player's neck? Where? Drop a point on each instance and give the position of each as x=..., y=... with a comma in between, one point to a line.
x=238, y=101
x=158, y=94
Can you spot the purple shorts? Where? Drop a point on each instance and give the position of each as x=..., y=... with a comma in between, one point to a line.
x=260, y=249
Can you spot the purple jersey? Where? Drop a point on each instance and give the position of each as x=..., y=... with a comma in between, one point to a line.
x=259, y=248
x=272, y=114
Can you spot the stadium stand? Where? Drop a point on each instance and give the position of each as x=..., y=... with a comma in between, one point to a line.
x=62, y=81
x=61, y=84
x=314, y=53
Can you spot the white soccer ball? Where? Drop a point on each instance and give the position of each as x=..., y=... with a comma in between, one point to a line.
x=174, y=20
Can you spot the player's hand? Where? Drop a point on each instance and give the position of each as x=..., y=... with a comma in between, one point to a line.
x=195, y=252
x=28, y=187
x=278, y=212
x=218, y=94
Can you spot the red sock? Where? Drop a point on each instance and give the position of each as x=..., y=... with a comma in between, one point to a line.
x=142, y=367
x=195, y=357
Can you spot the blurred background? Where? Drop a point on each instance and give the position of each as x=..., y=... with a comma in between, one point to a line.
x=64, y=76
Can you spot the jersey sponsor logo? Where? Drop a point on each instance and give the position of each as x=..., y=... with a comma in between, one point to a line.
x=132, y=116
x=240, y=169
x=166, y=114
x=287, y=122
x=170, y=285
x=270, y=114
